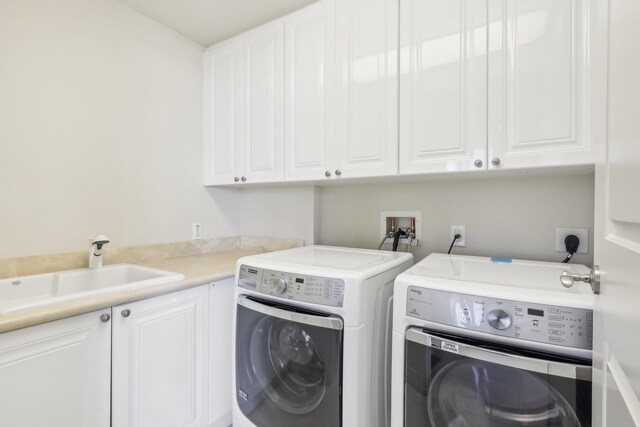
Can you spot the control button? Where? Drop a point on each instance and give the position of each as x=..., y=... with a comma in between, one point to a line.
x=555, y=339
x=279, y=286
x=499, y=319
x=554, y=332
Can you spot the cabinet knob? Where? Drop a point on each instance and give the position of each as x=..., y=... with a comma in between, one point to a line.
x=125, y=313
x=243, y=179
x=327, y=174
x=478, y=163
x=338, y=172
x=236, y=179
x=105, y=318
x=495, y=161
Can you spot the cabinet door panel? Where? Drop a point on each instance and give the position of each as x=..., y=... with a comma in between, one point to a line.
x=160, y=361
x=221, y=309
x=222, y=114
x=537, y=83
x=309, y=86
x=443, y=85
x=366, y=142
x=263, y=104
x=57, y=374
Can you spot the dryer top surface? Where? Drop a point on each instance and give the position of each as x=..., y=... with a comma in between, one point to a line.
x=515, y=279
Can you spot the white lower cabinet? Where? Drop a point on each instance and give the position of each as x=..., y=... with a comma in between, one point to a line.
x=160, y=361
x=220, y=341
x=57, y=374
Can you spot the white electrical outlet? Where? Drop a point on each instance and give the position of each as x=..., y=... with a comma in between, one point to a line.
x=581, y=233
x=461, y=242
x=196, y=231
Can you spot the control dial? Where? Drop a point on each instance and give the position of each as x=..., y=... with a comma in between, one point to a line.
x=279, y=286
x=499, y=319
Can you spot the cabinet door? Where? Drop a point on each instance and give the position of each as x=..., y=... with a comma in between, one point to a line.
x=366, y=142
x=263, y=104
x=309, y=86
x=222, y=114
x=160, y=361
x=537, y=83
x=220, y=341
x=57, y=374
x=443, y=85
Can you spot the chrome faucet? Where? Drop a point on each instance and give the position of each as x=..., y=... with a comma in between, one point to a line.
x=95, y=251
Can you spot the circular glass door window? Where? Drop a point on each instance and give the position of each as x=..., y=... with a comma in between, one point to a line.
x=288, y=364
x=470, y=393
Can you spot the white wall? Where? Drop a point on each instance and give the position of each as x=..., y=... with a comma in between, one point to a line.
x=100, y=130
x=506, y=217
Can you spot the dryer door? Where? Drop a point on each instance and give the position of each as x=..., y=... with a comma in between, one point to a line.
x=461, y=383
x=288, y=365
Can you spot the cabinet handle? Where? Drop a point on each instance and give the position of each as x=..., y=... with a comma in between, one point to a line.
x=105, y=318
x=126, y=313
x=243, y=179
x=236, y=179
x=495, y=161
x=478, y=163
x=338, y=172
x=327, y=174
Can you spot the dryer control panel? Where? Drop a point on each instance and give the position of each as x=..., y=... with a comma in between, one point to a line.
x=297, y=287
x=563, y=326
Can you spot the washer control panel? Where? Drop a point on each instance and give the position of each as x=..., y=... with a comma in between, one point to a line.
x=297, y=287
x=563, y=326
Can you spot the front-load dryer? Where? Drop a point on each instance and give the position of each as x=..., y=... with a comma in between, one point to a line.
x=482, y=342
x=312, y=337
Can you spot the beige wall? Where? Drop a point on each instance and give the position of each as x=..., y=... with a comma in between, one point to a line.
x=506, y=217
x=100, y=130
x=286, y=212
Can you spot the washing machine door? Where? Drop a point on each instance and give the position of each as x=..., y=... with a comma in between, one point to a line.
x=450, y=383
x=288, y=365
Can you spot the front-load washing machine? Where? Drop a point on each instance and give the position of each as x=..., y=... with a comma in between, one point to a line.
x=312, y=337
x=482, y=342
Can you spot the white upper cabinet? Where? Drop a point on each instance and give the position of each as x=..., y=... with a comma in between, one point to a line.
x=366, y=133
x=366, y=88
x=309, y=90
x=222, y=115
x=538, y=91
x=443, y=85
x=510, y=91
x=244, y=112
x=263, y=104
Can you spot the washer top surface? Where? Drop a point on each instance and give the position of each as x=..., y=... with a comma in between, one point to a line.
x=359, y=262
x=519, y=279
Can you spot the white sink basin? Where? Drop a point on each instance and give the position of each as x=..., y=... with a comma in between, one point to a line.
x=22, y=293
